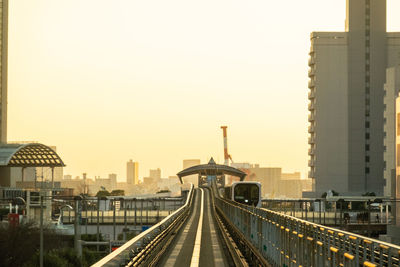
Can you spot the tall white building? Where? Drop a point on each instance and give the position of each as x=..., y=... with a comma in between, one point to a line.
x=347, y=75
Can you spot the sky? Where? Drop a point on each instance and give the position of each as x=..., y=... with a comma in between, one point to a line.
x=153, y=81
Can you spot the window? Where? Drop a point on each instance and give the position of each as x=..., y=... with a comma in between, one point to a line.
x=367, y=124
x=367, y=147
x=366, y=158
x=366, y=135
x=367, y=170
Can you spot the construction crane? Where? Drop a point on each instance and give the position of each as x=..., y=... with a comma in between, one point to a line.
x=226, y=155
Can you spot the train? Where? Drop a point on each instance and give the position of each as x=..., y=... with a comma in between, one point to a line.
x=247, y=193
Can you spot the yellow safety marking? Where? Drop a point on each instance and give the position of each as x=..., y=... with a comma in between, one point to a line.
x=340, y=234
x=369, y=264
x=352, y=237
x=330, y=231
x=341, y=264
x=301, y=236
x=310, y=238
x=287, y=230
x=294, y=261
x=282, y=252
x=282, y=227
x=319, y=243
x=383, y=246
x=367, y=241
x=349, y=256
x=333, y=249
x=287, y=257
x=322, y=229
x=294, y=232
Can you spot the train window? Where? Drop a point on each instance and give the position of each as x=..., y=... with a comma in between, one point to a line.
x=247, y=194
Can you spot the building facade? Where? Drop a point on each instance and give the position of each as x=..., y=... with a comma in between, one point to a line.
x=132, y=172
x=347, y=75
x=392, y=89
x=3, y=69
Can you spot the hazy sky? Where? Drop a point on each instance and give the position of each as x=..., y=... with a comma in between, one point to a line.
x=108, y=81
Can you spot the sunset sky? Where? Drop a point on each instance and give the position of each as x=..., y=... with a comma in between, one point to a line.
x=153, y=81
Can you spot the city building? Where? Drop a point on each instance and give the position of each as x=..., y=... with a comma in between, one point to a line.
x=132, y=172
x=187, y=163
x=155, y=174
x=3, y=69
x=392, y=89
x=274, y=182
x=347, y=74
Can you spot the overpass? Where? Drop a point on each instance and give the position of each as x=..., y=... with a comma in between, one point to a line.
x=209, y=230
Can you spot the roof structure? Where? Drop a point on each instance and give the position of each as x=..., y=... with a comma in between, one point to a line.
x=211, y=169
x=28, y=155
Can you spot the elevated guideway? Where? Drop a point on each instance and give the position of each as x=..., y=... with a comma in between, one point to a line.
x=213, y=231
x=198, y=243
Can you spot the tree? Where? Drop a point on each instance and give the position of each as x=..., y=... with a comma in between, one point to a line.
x=103, y=193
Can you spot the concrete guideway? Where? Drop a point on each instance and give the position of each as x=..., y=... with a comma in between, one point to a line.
x=197, y=243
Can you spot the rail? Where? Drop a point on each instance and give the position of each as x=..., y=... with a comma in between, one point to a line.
x=277, y=239
x=137, y=250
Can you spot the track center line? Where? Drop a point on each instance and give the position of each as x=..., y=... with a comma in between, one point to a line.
x=197, y=244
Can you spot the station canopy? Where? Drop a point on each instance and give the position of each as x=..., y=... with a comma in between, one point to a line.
x=211, y=169
x=28, y=155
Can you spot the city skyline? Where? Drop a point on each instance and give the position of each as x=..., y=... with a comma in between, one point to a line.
x=103, y=97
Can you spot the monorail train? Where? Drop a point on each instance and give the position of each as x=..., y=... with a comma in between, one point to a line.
x=248, y=193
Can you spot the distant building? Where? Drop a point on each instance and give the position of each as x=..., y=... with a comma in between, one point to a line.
x=155, y=174
x=275, y=183
x=187, y=163
x=132, y=172
x=347, y=74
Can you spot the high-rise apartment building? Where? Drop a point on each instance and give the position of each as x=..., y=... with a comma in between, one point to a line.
x=347, y=75
x=3, y=69
x=132, y=172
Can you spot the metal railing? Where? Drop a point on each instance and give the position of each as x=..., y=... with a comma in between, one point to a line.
x=283, y=240
x=137, y=250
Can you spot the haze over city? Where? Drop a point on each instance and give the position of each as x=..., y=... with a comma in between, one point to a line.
x=152, y=81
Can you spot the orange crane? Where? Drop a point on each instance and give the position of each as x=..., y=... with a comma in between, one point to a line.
x=226, y=154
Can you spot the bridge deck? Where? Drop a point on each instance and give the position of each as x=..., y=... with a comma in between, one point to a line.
x=182, y=249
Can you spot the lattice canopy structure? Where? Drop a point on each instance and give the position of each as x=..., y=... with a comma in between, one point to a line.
x=211, y=169
x=28, y=155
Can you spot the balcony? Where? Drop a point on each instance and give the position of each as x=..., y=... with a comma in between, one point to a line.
x=311, y=61
x=311, y=106
x=311, y=117
x=311, y=129
x=311, y=163
x=311, y=174
x=311, y=94
x=311, y=83
x=311, y=151
x=311, y=72
x=311, y=140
